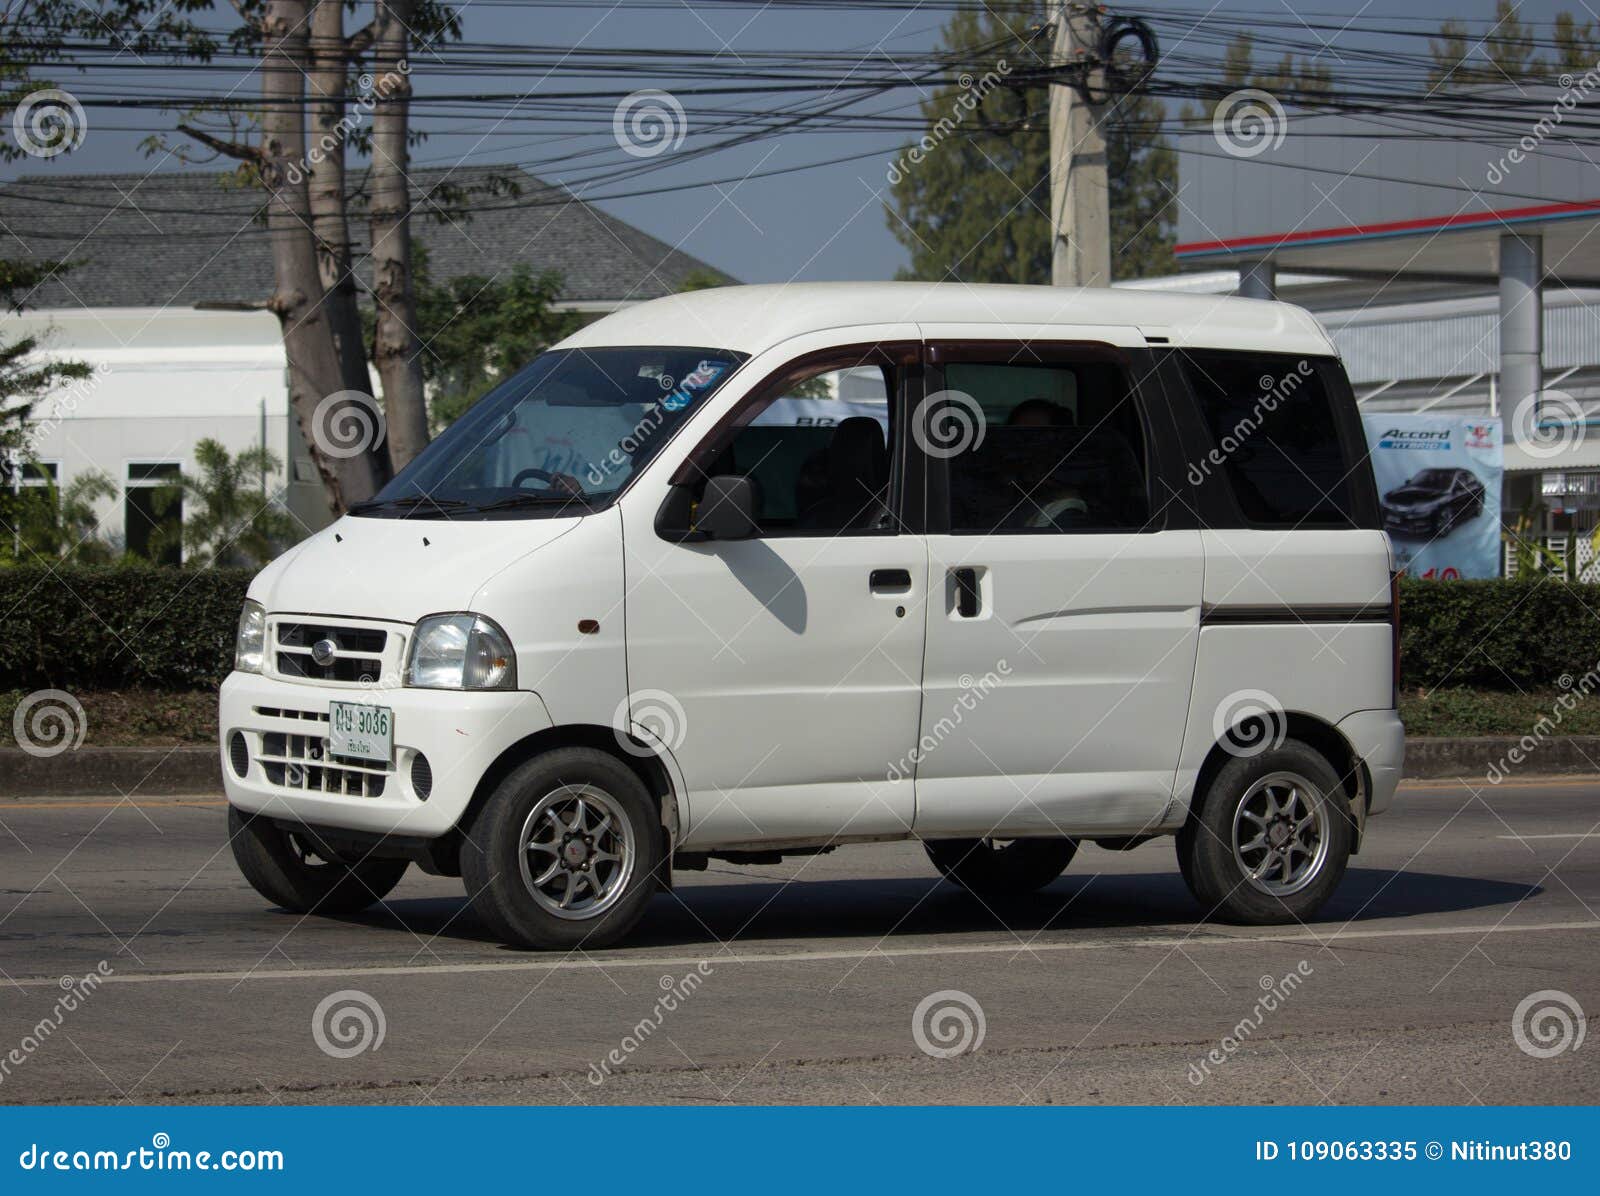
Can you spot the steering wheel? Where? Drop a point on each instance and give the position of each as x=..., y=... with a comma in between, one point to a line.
x=536, y=475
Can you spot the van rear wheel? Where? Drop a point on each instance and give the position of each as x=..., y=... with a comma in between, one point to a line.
x=998, y=867
x=1270, y=838
x=565, y=853
x=296, y=870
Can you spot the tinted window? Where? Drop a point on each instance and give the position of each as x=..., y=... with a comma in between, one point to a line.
x=1062, y=449
x=1276, y=439
x=819, y=453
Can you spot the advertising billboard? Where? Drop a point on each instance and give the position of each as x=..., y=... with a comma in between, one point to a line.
x=1439, y=486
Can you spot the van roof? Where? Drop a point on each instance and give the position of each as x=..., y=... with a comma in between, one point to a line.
x=751, y=319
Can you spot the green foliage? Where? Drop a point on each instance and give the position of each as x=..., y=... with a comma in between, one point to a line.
x=702, y=280
x=477, y=331
x=976, y=207
x=48, y=523
x=117, y=627
x=26, y=377
x=1458, y=711
x=227, y=518
x=1499, y=635
x=1290, y=79
x=1509, y=51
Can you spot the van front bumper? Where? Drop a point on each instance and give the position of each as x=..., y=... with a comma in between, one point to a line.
x=287, y=772
x=1379, y=739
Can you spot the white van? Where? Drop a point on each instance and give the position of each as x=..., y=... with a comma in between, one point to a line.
x=760, y=571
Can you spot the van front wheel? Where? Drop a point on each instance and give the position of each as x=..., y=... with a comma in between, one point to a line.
x=1000, y=868
x=296, y=870
x=565, y=853
x=1269, y=839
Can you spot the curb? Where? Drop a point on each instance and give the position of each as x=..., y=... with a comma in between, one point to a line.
x=111, y=772
x=1500, y=757
x=187, y=771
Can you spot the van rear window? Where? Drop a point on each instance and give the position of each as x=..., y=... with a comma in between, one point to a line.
x=1275, y=437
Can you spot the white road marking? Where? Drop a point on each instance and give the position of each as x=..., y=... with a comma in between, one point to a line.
x=564, y=964
x=1524, y=838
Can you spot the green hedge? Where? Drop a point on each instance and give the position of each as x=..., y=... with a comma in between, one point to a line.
x=118, y=626
x=143, y=627
x=1499, y=635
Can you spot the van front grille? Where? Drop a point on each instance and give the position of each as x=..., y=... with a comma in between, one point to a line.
x=302, y=762
x=357, y=652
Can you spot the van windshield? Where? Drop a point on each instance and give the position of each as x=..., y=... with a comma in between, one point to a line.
x=563, y=435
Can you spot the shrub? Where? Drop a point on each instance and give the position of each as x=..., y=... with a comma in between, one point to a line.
x=148, y=627
x=117, y=626
x=1497, y=635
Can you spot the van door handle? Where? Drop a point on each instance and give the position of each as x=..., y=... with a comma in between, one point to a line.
x=889, y=581
x=969, y=600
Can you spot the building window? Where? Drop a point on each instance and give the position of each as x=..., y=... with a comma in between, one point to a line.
x=153, y=511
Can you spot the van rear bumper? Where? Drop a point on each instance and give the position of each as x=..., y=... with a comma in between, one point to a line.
x=1379, y=739
x=459, y=734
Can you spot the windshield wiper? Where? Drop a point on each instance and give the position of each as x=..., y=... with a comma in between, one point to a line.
x=535, y=500
x=408, y=502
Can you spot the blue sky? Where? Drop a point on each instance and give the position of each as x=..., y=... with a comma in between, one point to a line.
x=823, y=223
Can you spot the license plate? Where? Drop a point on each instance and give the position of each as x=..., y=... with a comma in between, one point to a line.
x=361, y=732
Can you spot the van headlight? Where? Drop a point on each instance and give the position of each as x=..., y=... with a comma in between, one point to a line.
x=461, y=651
x=250, y=645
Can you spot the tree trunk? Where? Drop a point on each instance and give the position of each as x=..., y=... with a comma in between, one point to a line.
x=327, y=83
x=335, y=429
x=397, y=350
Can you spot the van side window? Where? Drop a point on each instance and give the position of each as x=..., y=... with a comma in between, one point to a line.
x=1062, y=449
x=819, y=453
x=1276, y=437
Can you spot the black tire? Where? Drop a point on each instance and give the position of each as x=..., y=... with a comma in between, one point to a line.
x=987, y=868
x=278, y=864
x=491, y=864
x=1213, y=870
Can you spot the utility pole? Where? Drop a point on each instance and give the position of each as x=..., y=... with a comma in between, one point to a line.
x=1080, y=205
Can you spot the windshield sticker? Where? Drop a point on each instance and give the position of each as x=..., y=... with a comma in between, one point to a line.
x=697, y=379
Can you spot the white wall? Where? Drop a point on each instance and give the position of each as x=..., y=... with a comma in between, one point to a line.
x=166, y=378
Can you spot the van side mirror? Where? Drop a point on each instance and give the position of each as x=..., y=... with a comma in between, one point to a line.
x=728, y=508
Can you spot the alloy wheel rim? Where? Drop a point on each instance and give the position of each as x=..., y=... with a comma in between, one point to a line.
x=1280, y=839
x=576, y=852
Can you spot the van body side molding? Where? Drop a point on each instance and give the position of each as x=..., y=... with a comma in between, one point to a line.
x=1251, y=616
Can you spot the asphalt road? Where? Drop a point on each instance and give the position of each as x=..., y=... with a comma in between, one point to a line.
x=807, y=977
